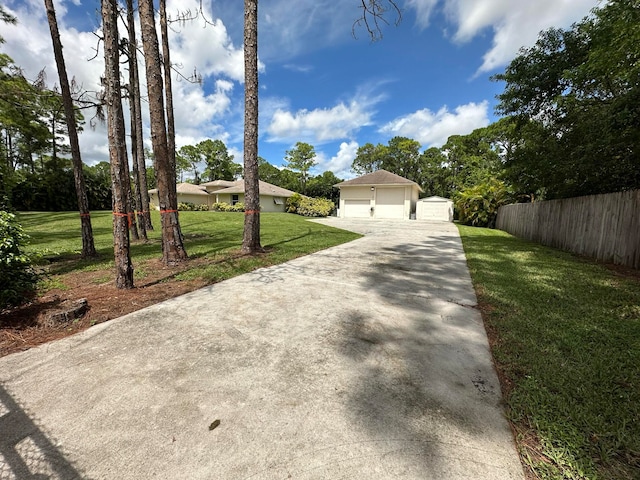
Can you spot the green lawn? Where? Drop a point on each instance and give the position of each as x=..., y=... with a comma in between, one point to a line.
x=213, y=235
x=567, y=336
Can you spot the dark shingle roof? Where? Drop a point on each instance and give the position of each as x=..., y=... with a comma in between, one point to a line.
x=379, y=177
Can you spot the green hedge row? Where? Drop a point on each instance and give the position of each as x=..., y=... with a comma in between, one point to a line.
x=192, y=207
x=225, y=207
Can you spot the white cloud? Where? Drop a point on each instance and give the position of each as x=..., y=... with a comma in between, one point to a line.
x=206, y=48
x=298, y=68
x=433, y=129
x=323, y=125
x=514, y=24
x=292, y=28
x=340, y=163
x=198, y=108
x=423, y=10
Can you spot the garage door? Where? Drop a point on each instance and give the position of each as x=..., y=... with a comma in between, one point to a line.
x=389, y=203
x=357, y=208
x=435, y=211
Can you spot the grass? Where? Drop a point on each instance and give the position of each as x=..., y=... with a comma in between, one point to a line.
x=566, y=339
x=215, y=236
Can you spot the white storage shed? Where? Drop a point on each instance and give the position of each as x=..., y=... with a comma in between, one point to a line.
x=435, y=208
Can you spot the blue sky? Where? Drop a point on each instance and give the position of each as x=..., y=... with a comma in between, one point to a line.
x=426, y=79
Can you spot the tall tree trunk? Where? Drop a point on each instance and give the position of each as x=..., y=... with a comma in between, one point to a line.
x=168, y=89
x=133, y=224
x=138, y=187
x=251, y=236
x=88, y=246
x=144, y=214
x=173, y=250
x=120, y=182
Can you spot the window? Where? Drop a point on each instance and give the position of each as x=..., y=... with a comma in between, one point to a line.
x=278, y=201
x=235, y=199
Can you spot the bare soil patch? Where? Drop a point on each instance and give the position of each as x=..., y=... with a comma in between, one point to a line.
x=21, y=328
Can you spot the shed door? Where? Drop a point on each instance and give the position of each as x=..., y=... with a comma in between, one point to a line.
x=389, y=203
x=436, y=211
x=357, y=208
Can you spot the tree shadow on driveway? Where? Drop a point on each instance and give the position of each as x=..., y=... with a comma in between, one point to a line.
x=425, y=379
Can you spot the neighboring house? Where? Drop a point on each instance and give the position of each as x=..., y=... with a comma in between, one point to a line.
x=435, y=208
x=380, y=194
x=272, y=198
x=187, y=193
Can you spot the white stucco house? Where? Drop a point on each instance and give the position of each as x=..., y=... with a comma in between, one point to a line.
x=435, y=208
x=380, y=194
x=187, y=193
x=272, y=197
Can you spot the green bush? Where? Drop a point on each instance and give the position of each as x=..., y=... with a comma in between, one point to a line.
x=478, y=205
x=192, y=207
x=309, y=207
x=17, y=277
x=225, y=207
x=292, y=203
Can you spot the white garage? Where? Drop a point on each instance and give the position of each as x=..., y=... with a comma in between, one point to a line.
x=435, y=209
x=357, y=208
x=380, y=194
x=389, y=202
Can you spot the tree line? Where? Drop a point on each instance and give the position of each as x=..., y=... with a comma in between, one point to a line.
x=571, y=107
x=26, y=143
x=570, y=123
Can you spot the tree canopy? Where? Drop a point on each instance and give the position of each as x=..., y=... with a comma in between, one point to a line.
x=574, y=98
x=301, y=159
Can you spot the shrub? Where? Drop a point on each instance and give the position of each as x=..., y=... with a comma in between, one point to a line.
x=225, y=207
x=192, y=207
x=309, y=207
x=292, y=203
x=219, y=207
x=17, y=276
x=478, y=205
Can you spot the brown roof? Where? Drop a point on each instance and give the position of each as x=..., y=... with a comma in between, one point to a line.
x=379, y=177
x=219, y=183
x=235, y=187
x=189, y=188
x=265, y=189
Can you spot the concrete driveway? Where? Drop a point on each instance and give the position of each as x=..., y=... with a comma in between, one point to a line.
x=363, y=361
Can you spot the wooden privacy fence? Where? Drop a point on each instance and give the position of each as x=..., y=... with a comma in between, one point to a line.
x=605, y=227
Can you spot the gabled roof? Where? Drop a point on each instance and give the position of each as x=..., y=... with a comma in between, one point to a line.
x=264, y=187
x=236, y=186
x=379, y=177
x=219, y=183
x=435, y=198
x=189, y=188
